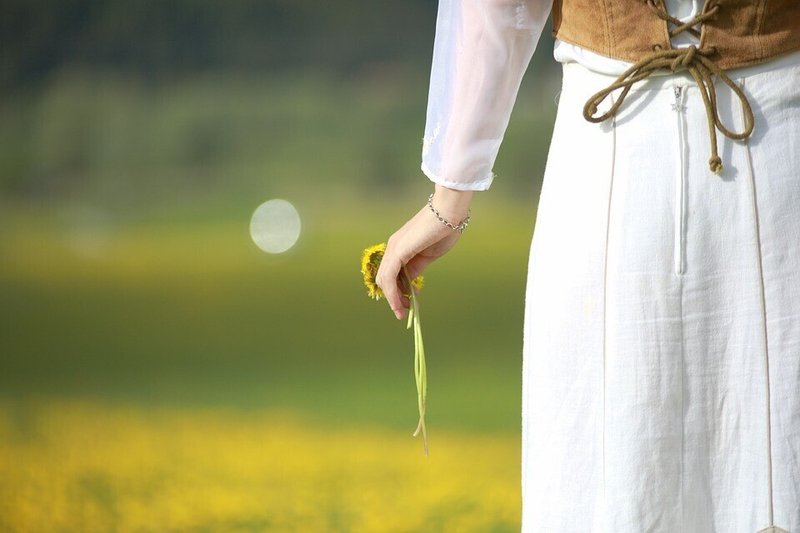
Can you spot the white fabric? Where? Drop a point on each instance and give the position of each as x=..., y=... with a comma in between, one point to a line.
x=480, y=53
x=660, y=297
x=661, y=364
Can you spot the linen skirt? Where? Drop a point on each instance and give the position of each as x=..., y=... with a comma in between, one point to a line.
x=661, y=361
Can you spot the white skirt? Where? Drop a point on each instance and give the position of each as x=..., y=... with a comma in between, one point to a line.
x=661, y=366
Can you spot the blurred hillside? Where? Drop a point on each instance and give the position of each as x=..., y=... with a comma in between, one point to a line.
x=129, y=103
x=158, y=39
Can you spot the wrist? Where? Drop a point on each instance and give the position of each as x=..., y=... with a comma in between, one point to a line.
x=453, y=204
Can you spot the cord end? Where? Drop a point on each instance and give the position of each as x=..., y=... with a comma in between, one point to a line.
x=715, y=164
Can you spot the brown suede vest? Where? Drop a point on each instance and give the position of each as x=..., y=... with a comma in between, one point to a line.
x=743, y=32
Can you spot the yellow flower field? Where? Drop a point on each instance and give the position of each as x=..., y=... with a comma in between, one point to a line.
x=84, y=466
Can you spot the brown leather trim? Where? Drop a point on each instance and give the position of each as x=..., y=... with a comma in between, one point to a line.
x=556, y=16
x=744, y=32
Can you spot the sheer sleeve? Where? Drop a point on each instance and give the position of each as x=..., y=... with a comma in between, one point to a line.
x=480, y=53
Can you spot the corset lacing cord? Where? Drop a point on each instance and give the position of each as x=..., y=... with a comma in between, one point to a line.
x=692, y=59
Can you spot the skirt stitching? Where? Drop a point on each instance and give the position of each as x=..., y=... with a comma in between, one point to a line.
x=763, y=303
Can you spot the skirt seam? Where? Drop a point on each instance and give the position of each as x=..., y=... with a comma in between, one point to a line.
x=763, y=304
x=605, y=288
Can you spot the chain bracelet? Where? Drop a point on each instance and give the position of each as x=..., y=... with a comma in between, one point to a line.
x=460, y=227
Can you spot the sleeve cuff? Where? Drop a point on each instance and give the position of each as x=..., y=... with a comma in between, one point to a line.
x=480, y=185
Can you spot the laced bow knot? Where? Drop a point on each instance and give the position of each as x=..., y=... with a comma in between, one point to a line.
x=697, y=62
x=684, y=60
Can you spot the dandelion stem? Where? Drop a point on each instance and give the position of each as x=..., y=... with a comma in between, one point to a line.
x=420, y=370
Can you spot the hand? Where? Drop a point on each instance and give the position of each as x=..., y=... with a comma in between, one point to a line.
x=420, y=241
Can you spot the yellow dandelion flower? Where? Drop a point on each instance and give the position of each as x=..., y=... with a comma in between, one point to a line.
x=370, y=261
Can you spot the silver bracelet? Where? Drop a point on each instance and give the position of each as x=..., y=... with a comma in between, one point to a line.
x=460, y=227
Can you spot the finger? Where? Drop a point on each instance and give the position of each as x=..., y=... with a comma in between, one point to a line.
x=417, y=265
x=387, y=279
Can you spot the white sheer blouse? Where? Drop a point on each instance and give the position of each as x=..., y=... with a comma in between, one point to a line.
x=481, y=51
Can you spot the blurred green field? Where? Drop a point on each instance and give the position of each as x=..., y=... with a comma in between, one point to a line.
x=140, y=326
x=126, y=268
x=103, y=334
x=195, y=313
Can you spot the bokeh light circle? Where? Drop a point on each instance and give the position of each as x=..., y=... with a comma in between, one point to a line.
x=275, y=226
